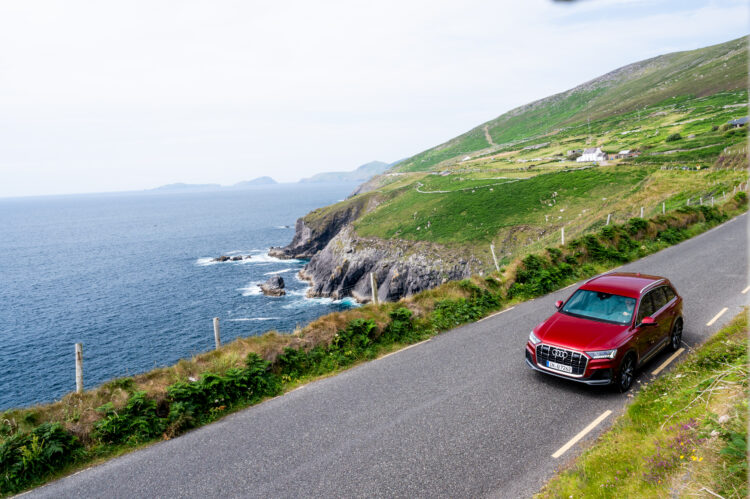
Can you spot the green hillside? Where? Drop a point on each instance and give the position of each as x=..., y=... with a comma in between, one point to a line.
x=695, y=73
x=672, y=112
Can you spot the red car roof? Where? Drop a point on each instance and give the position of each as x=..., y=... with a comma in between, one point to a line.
x=622, y=283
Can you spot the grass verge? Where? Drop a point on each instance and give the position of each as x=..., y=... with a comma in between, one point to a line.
x=43, y=442
x=683, y=435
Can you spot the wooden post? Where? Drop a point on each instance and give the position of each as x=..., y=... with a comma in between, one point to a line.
x=217, y=333
x=609, y=216
x=562, y=236
x=663, y=208
x=701, y=200
x=712, y=200
x=688, y=202
x=641, y=211
x=374, y=288
x=79, y=368
x=723, y=194
x=494, y=258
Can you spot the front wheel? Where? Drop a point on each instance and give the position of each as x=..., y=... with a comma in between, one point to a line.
x=675, y=338
x=626, y=373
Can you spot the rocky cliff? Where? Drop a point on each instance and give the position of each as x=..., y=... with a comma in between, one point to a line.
x=341, y=261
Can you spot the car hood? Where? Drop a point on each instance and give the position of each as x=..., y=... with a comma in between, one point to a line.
x=580, y=334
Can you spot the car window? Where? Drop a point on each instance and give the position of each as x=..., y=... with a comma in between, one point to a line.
x=646, y=309
x=669, y=292
x=660, y=299
x=600, y=306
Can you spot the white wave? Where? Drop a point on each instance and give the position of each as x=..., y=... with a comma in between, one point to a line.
x=306, y=301
x=247, y=319
x=204, y=262
x=282, y=227
x=279, y=271
x=266, y=258
x=251, y=289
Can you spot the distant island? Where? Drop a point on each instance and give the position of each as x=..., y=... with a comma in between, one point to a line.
x=256, y=181
x=361, y=174
x=182, y=187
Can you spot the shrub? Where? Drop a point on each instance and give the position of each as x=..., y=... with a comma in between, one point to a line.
x=741, y=197
x=401, y=326
x=136, y=422
x=27, y=457
x=672, y=235
x=673, y=137
x=635, y=225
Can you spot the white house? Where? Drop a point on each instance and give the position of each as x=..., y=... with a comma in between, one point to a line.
x=592, y=154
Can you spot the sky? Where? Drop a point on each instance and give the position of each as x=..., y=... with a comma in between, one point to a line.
x=115, y=96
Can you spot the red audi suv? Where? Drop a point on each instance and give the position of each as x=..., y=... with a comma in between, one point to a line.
x=610, y=326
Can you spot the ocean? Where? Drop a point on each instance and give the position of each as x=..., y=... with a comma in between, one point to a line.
x=130, y=277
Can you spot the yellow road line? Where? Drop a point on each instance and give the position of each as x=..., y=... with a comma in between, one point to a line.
x=744, y=291
x=405, y=348
x=668, y=361
x=582, y=434
x=716, y=317
x=498, y=313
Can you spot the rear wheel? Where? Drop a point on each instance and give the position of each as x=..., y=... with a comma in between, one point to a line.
x=675, y=338
x=626, y=373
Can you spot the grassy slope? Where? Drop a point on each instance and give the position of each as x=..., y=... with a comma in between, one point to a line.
x=692, y=94
x=698, y=72
x=670, y=443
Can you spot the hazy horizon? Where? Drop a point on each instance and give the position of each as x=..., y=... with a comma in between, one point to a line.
x=100, y=98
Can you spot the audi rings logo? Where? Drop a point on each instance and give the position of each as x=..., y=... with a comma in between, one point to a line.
x=559, y=354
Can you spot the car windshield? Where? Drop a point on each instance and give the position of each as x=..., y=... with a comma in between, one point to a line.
x=600, y=306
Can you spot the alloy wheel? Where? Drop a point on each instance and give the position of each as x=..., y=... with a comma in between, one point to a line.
x=627, y=370
x=676, y=337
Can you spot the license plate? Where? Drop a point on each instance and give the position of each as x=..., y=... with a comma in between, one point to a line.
x=559, y=367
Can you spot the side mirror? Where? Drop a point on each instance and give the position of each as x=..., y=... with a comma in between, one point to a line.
x=558, y=304
x=648, y=321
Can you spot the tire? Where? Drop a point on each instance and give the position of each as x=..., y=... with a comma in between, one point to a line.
x=675, y=337
x=626, y=373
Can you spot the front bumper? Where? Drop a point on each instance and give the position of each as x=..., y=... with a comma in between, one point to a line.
x=597, y=377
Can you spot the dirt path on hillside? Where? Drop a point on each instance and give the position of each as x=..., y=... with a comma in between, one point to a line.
x=488, y=136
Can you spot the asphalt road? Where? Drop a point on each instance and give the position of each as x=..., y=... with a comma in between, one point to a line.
x=460, y=415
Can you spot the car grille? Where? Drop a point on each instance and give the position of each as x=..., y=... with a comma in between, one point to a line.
x=564, y=356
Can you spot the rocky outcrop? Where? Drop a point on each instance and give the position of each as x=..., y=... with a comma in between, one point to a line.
x=401, y=267
x=274, y=286
x=225, y=258
x=313, y=232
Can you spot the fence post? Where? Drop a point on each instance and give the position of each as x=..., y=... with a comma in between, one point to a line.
x=688, y=202
x=374, y=288
x=641, y=211
x=217, y=334
x=79, y=368
x=609, y=216
x=494, y=258
x=562, y=236
x=712, y=200
x=663, y=208
x=723, y=194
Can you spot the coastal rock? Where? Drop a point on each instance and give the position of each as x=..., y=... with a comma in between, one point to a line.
x=313, y=232
x=237, y=258
x=274, y=286
x=401, y=268
x=222, y=258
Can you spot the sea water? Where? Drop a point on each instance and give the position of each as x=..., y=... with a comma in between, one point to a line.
x=131, y=277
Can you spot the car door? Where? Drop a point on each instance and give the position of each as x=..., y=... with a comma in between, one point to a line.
x=644, y=334
x=663, y=315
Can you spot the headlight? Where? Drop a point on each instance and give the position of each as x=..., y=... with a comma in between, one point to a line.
x=533, y=338
x=603, y=354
